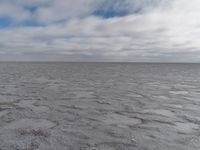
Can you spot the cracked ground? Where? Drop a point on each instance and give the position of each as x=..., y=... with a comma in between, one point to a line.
x=99, y=106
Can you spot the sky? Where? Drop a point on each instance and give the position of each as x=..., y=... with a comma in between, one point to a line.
x=100, y=30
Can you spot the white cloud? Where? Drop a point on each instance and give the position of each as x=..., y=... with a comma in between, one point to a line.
x=62, y=10
x=13, y=12
x=165, y=31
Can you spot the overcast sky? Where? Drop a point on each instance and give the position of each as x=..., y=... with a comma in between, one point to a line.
x=100, y=30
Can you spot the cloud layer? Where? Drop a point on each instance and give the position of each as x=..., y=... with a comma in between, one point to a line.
x=100, y=30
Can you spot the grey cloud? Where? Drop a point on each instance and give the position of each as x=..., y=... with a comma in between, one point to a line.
x=167, y=32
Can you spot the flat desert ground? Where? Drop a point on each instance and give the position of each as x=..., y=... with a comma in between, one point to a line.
x=99, y=106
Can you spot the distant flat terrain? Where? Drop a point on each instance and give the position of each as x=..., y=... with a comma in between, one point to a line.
x=99, y=106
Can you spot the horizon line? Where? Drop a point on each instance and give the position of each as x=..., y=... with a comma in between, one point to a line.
x=136, y=62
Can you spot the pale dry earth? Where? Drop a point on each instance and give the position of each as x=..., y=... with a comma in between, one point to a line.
x=99, y=106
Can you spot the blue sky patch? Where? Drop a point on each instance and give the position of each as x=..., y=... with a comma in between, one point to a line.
x=30, y=23
x=4, y=22
x=32, y=9
x=110, y=13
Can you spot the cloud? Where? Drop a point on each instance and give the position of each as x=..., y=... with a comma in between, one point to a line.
x=129, y=30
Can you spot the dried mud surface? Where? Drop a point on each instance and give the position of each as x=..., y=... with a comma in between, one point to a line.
x=99, y=106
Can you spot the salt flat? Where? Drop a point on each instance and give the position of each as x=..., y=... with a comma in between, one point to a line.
x=99, y=106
